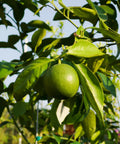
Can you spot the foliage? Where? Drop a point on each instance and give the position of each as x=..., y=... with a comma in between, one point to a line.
x=86, y=50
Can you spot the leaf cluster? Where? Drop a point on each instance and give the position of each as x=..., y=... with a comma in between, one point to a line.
x=86, y=50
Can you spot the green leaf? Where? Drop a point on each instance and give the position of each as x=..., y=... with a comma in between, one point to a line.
x=6, y=68
x=92, y=89
x=9, y=91
x=77, y=112
x=27, y=56
x=79, y=131
x=113, y=24
x=95, y=63
x=17, y=7
x=39, y=24
x=109, y=33
x=12, y=39
x=57, y=138
x=100, y=11
x=2, y=15
x=3, y=104
x=109, y=106
x=20, y=108
x=26, y=28
x=37, y=38
x=84, y=48
x=55, y=43
x=86, y=14
x=29, y=76
x=43, y=2
x=110, y=10
x=95, y=137
x=30, y=5
x=8, y=23
x=18, y=11
x=108, y=84
x=6, y=45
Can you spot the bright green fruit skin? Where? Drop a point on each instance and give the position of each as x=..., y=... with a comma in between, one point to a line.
x=61, y=81
x=89, y=124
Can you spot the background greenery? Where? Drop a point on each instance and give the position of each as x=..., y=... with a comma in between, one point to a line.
x=88, y=49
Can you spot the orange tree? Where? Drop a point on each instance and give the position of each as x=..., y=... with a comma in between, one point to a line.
x=92, y=68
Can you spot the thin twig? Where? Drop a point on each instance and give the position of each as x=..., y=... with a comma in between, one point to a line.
x=17, y=126
x=63, y=14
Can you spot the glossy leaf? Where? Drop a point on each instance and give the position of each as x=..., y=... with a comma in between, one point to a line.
x=29, y=76
x=86, y=14
x=108, y=84
x=99, y=10
x=101, y=13
x=6, y=68
x=92, y=89
x=84, y=48
x=19, y=108
x=37, y=38
x=39, y=24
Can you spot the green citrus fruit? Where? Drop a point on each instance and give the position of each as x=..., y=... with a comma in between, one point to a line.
x=89, y=124
x=61, y=81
